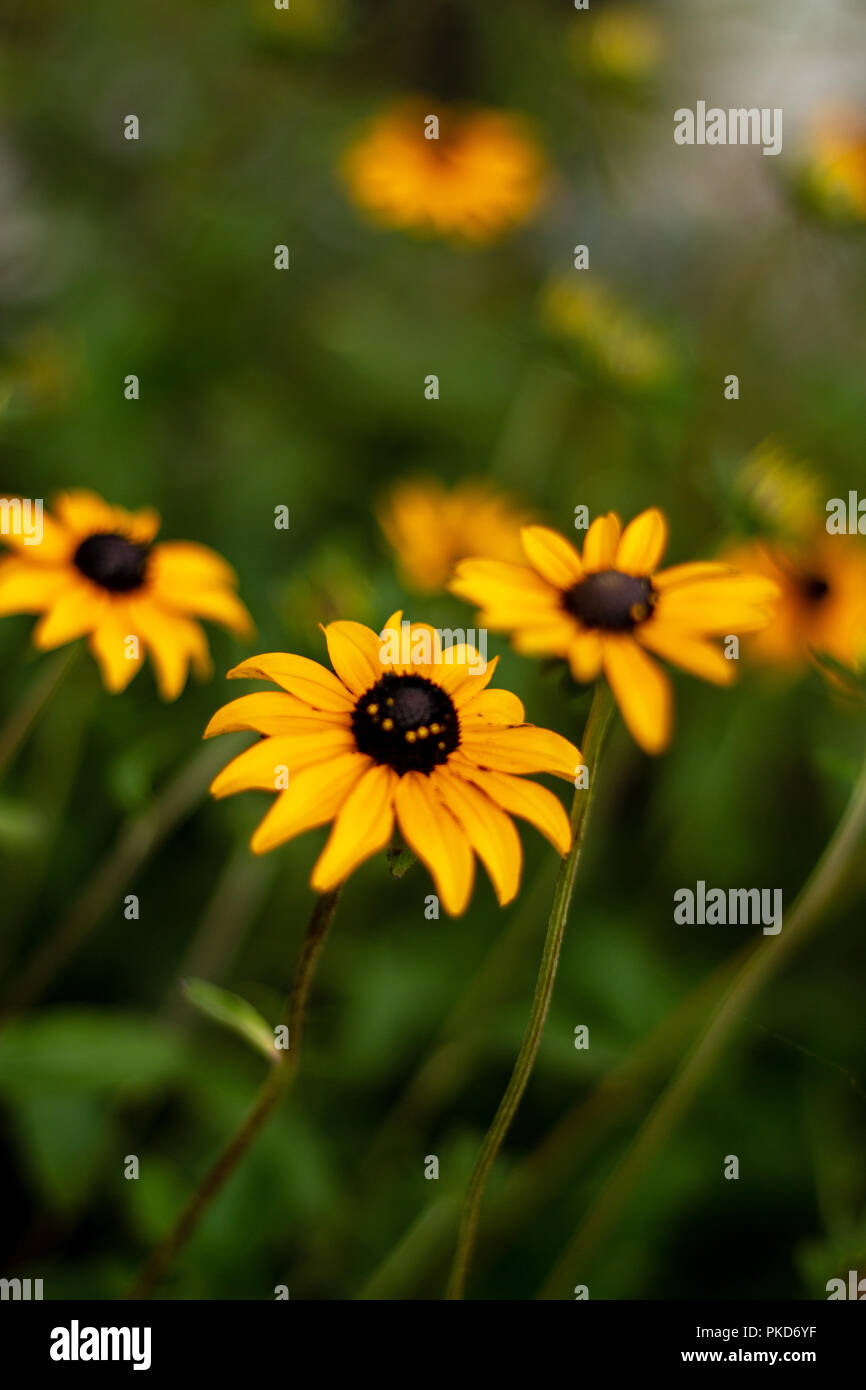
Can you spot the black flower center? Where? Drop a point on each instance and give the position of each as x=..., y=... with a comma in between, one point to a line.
x=814, y=588
x=112, y=562
x=610, y=600
x=407, y=722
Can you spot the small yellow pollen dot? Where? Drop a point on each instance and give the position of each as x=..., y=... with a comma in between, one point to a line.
x=435, y=728
x=410, y=736
x=387, y=725
x=422, y=732
x=390, y=700
x=441, y=746
x=638, y=612
x=372, y=709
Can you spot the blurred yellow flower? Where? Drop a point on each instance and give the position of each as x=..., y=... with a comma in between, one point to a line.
x=613, y=338
x=419, y=741
x=91, y=569
x=784, y=493
x=607, y=609
x=430, y=528
x=621, y=42
x=483, y=175
x=834, y=169
x=822, y=599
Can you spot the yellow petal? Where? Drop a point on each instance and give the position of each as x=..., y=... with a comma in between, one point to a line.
x=269, y=712
x=551, y=556
x=80, y=610
x=642, y=691
x=734, y=603
x=600, y=545
x=55, y=545
x=354, y=652
x=552, y=637
x=436, y=837
x=219, y=605
x=306, y=679
x=110, y=644
x=524, y=749
x=172, y=642
x=26, y=587
x=313, y=797
x=263, y=766
x=701, y=658
x=188, y=565
x=683, y=574
x=523, y=798
x=363, y=826
x=460, y=675
x=584, y=656
x=643, y=543
x=494, y=707
x=489, y=831
x=489, y=582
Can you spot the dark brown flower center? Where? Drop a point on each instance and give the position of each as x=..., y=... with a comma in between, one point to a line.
x=112, y=561
x=814, y=588
x=612, y=601
x=407, y=722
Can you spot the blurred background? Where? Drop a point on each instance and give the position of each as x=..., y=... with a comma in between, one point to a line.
x=305, y=388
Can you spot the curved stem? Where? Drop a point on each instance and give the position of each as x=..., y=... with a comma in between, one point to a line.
x=279, y=1080
x=828, y=879
x=596, y=727
x=26, y=714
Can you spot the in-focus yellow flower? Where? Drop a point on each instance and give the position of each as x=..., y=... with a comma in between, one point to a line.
x=608, y=609
x=407, y=732
x=430, y=528
x=607, y=331
x=822, y=599
x=482, y=176
x=95, y=572
x=834, y=169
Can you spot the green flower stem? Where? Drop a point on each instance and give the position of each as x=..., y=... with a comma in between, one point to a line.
x=50, y=678
x=105, y=887
x=596, y=728
x=841, y=860
x=278, y=1082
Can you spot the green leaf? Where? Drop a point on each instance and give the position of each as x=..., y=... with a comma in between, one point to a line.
x=89, y=1050
x=232, y=1012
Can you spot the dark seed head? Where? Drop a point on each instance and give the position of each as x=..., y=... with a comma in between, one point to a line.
x=112, y=562
x=610, y=600
x=814, y=588
x=407, y=722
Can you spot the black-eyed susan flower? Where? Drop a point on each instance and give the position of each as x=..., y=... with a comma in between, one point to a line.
x=483, y=175
x=430, y=528
x=822, y=599
x=400, y=732
x=96, y=572
x=610, y=611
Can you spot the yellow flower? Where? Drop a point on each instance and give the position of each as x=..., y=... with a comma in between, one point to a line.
x=783, y=493
x=430, y=529
x=404, y=731
x=822, y=599
x=834, y=170
x=95, y=572
x=483, y=175
x=621, y=42
x=613, y=338
x=609, y=608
